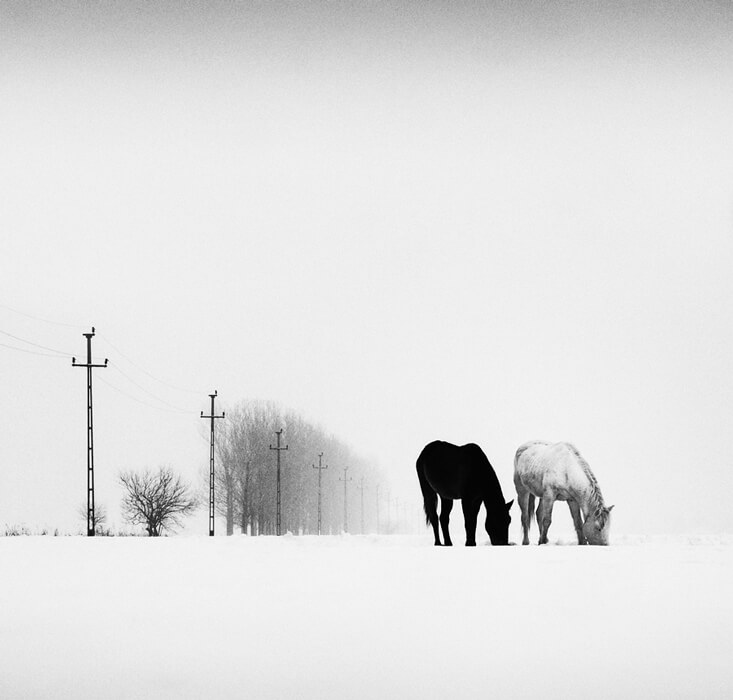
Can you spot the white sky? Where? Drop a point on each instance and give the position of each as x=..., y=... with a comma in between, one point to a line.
x=408, y=221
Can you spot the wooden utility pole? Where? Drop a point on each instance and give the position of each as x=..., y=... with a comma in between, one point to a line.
x=90, y=431
x=346, y=500
x=320, y=468
x=213, y=417
x=278, y=449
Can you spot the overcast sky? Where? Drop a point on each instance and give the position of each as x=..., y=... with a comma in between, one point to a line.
x=409, y=221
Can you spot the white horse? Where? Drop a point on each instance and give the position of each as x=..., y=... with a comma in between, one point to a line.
x=556, y=472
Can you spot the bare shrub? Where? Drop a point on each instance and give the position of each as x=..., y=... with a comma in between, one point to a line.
x=157, y=500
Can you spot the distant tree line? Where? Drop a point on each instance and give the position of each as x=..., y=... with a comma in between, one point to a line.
x=246, y=475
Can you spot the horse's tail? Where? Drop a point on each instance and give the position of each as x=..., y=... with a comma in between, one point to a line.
x=429, y=497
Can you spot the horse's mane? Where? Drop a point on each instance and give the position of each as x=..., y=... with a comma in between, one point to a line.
x=596, y=497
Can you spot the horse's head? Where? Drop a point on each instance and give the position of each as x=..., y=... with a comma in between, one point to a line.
x=597, y=525
x=497, y=524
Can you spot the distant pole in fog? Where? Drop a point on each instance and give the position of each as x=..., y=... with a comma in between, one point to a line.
x=90, y=431
x=377, y=508
x=361, y=488
x=397, y=510
x=346, y=499
x=213, y=417
x=278, y=449
x=320, y=471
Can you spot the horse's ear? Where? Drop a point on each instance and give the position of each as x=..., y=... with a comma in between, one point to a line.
x=509, y=505
x=610, y=508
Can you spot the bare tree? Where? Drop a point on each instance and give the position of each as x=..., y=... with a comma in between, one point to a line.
x=158, y=500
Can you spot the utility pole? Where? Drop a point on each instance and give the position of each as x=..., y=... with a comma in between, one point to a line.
x=278, y=449
x=377, y=508
x=361, y=488
x=320, y=471
x=90, y=431
x=212, y=416
x=346, y=500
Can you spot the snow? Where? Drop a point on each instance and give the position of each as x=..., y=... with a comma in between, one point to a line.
x=363, y=617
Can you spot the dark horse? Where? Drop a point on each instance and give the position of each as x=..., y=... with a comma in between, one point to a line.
x=452, y=472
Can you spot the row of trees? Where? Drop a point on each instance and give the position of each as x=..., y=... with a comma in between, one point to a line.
x=245, y=485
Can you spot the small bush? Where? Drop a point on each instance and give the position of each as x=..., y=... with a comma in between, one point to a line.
x=16, y=531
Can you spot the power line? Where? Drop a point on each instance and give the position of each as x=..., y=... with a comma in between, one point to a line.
x=149, y=393
x=54, y=352
x=33, y=352
x=38, y=318
x=36, y=345
x=144, y=371
x=144, y=403
x=99, y=335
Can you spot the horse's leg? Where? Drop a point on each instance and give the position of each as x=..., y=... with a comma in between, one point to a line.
x=577, y=520
x=544, y=515
x=530, y=513
x=523, y=500
x=470, y=516
x=446, y=504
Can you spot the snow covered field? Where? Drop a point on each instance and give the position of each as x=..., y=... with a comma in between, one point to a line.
x=364, y=617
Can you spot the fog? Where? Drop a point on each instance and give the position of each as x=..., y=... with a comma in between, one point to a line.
x=407, y=222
